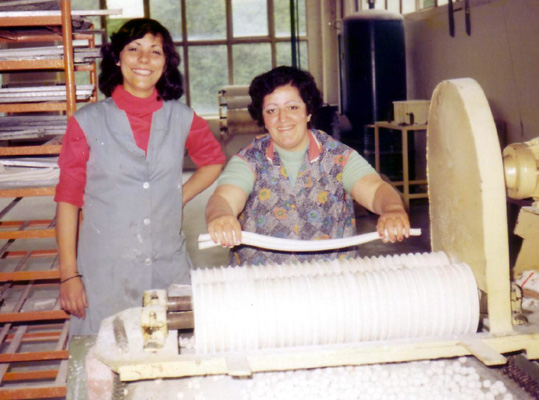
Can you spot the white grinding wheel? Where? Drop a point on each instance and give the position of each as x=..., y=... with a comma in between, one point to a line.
x=316, y=306
x=467, y=191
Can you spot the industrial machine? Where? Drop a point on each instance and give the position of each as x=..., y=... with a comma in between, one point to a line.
x=521, y=177
x=456, y=301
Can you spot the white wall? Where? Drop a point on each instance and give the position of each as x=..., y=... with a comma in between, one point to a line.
x=501, y=54
x=323, y=48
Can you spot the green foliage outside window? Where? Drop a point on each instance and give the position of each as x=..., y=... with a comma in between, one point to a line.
x=206, y=19
x=250, y=60
x=170, y=16
x=207, y=42
x=250, y=18
x=207, y=75
x=282, y=17
x=284, y=54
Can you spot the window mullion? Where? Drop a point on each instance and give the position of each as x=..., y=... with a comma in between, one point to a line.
x=185, y=57
x=146, y=7
x=195, y=52
x=229, y=40
x=271, y=32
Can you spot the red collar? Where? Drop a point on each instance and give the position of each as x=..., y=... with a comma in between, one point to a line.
x=315, y=149
x=135, y=105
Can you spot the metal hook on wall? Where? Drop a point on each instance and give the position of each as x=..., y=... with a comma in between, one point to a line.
x=336, y=24
x=451, y=18
x=467, y=17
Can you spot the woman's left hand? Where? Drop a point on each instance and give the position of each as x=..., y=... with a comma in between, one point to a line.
x=393, y=225
x=380, y=197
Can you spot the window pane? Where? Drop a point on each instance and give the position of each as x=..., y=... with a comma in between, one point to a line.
x=129, y=8
x=206, y=19
x=250, y=60
x=282, y=17
x=408, y=6
x=114, y=24
x=284, y=54
x=250, y=18
x=394, y=6
x=85, y=5
x=206, y=77
x=170, y=15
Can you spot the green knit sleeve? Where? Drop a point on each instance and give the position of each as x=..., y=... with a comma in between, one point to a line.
x=238, y=172
x=356, y=168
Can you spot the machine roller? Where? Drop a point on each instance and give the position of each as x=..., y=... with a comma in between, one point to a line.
x=455, y=301
x=254, y=308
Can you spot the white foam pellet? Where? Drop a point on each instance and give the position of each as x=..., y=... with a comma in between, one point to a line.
x=420, y=380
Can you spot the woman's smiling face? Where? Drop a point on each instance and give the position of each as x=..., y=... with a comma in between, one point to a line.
x=142, y=63
x=285, y=118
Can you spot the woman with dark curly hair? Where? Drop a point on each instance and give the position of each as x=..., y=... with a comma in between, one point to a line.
x=296, y=182
x=122, y=164
x=169, y=86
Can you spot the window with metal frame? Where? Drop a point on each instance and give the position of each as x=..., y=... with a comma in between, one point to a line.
x=227, y=42
x=399, y=6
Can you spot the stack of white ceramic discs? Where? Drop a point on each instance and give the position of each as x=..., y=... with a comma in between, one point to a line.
x=275, y=306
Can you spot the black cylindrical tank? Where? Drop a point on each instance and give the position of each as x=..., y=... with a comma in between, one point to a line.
x=373, y=71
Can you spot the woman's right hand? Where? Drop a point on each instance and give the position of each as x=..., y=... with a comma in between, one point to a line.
x=222, y=212
x=225, y=230
x=73, y=297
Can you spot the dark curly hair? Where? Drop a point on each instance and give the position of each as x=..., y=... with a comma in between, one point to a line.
x=169, y=86
x=266, y=83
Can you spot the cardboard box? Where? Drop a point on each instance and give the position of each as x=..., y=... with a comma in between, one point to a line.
x=403, y=111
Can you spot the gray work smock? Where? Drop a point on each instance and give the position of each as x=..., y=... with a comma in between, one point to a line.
x=130, y=237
